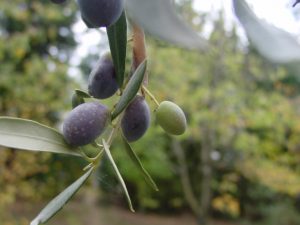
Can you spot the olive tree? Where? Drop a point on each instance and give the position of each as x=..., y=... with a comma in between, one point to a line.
x=92, y=123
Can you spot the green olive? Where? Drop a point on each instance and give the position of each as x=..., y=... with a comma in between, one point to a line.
x=171, y=118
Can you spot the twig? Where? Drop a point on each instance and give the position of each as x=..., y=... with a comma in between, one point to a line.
x=139, y=49
x=144, y=89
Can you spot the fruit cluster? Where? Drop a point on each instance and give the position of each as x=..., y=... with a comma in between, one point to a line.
x=88, y=120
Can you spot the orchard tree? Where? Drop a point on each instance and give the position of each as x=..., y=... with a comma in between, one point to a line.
x=129, y=116
x=35, y=44
x=233, y=86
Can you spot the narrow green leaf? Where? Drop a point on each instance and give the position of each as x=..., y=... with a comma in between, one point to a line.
x=160, y=19
x=273, y=43
x=131, y=89
x=59, y=201
x=33, y=136
x=135, y=159
x=117, y=37
x=107, y=151
x=76, y=101
x=78, y=97
x=82, y=94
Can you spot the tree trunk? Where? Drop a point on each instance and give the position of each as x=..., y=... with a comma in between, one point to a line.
x=188, y=191
x=205, y=194
x=199, y=207
x=242, y=187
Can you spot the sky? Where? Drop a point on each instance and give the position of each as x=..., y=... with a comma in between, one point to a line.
x=277, y=12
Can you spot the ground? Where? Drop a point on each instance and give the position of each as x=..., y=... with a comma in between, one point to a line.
x=86, y=211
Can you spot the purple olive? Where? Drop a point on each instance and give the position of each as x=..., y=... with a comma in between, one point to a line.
x=58, y=1
x=85, y=123
x=102, y=80
x=136, y=119
x=100, y=13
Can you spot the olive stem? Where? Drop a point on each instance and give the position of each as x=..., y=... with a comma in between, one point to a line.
x=111, y=136
x=95, y=160
x=150, y=95
x=113, y=132
x=87, y=158
x=88, y=166
x=138, y=49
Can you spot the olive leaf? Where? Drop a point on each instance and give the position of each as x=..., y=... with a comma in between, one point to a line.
x=135, y=159
x=160, y=19
x=131, y=89
x=117, y=37
x=78, y=97
x=33, y=136
x=273, y=43
x=296, y=2
x=119, y=176
x=82, y=94
x=59, y=201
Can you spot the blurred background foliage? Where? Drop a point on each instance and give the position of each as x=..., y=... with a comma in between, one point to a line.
x=239, y=160
x=35, y=44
